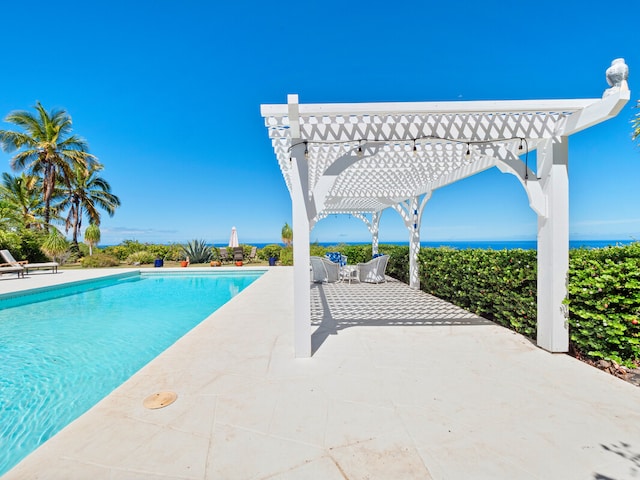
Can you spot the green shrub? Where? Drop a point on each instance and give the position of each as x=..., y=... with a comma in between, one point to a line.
x=286, y=256
x=24, y=244
x=498, y=285
x=604, y=303
x=141, y=258
x=398, y=265
x=171, y=252
x=269, y=251
x=99, y=260
x=317, y=250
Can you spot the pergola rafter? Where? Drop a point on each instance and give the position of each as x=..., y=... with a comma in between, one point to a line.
x=362, y=159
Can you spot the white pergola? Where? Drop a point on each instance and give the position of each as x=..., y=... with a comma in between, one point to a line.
x=362, y=158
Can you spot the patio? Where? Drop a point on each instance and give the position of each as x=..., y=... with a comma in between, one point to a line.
x=400, y=385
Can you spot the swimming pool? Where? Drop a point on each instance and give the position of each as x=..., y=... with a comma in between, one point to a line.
x=63, y=349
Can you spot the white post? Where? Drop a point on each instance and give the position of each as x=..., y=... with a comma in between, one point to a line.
x=300, y=213
x=553, y=247
x=411, y=213
x=375, y=228
x=301, y=252
x=414, y=244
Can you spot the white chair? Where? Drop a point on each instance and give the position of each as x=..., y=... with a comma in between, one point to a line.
x=323, y=270
x=6, y=254
x=373, y=270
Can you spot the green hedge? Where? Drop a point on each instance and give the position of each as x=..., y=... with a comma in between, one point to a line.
x=603, y=300
x=497, y=284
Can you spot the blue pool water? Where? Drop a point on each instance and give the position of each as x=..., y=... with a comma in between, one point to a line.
x=64, y=349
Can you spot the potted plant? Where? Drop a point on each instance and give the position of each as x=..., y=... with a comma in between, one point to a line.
x=215, y=257
x=271, y=253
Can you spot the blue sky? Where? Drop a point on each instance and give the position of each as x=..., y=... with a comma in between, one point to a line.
x=168, y=96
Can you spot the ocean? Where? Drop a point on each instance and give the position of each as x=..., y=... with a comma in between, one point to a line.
x=488, y=244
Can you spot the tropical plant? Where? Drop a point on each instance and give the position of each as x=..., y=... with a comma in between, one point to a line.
x=143, y=256
x=92, y=237
x=46, y=147
x=286, y=256
x=9, y=218
x=99, y=260
x=287, y=235
x=22, y=193
x=84, y=194
x=197, y=251
x=55, y=245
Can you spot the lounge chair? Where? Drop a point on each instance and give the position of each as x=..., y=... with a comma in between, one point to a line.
x=224, y=256
x=373, y=270
x=6, y=254
x=238, y=254
x=6, y=268
x=324, y=270
x=252, y=255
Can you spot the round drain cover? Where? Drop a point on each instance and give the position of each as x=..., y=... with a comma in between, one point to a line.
x=160, y=400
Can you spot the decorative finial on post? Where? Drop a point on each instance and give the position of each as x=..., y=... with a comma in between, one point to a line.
x=617, y=75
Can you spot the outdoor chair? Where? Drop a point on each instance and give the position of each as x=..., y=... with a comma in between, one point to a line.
x=252, y=255
x=238, y=254
x=25, y=265
x=373, y=270
x=224, y=256
x=6, y=268
x=323, y=270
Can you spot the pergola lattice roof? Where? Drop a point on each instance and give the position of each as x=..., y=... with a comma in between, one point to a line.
x=408, y=149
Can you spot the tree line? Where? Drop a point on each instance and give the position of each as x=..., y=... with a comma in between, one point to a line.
x=57, y=181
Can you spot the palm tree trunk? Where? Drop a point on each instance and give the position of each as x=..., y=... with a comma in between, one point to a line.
x=48, y=185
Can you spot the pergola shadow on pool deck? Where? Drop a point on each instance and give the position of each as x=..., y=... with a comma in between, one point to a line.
x=336, y=306
x=406, y=387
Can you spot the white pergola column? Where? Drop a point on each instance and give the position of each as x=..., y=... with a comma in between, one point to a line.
x=302, y=210
x=553, y=246
x=411, y=213
x=373, y=226
x=301, y=253
x=375, y=229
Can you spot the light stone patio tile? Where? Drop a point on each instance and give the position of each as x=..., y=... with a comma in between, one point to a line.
x=323, y=468
x=356, y=389
x=388, y=456
x=169, y=452
x=232, y=383
x=249, y=410
x=63, y=469
x=300, y=414
x=349, y=422
x=241, y=454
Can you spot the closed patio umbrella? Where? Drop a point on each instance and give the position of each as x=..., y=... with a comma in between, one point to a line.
x=233, y=240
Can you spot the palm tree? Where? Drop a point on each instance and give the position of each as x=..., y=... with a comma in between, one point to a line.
x=84, y=194
x=23, y=194
x=45, y=147
x=92, y=236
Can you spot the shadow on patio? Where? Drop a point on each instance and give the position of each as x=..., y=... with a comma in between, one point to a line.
x=336, y=306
